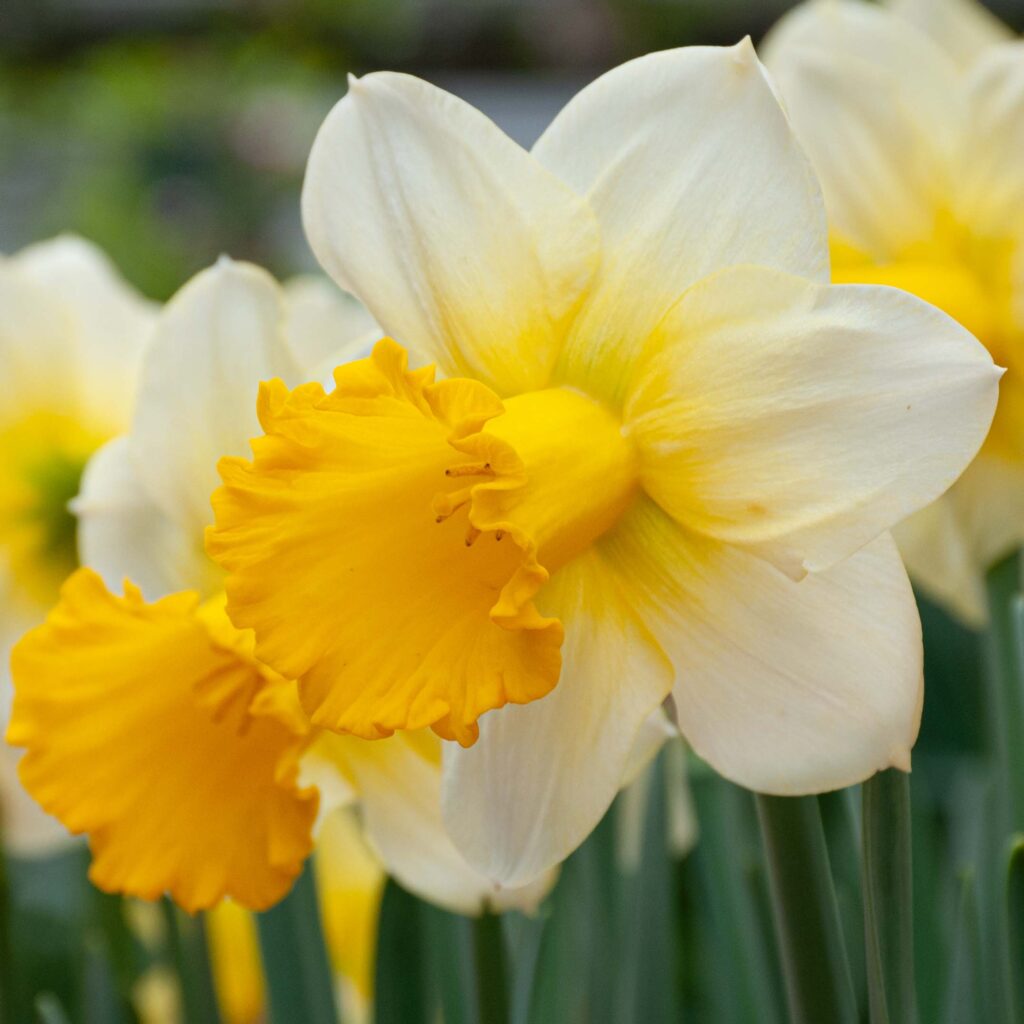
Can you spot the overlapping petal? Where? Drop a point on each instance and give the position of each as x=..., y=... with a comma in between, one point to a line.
x=399, y=782
x=124, y=534
x=138, y=731
x=458, y=242
x=541, y=776
x=801, y=420
x=216, y=340
x=783, y=687
x=690, y=166
x=326, y=327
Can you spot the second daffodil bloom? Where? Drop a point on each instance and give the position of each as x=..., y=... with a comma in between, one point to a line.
x=147, y=721
x=922, y=171
x=659, y=455
x=72, y=333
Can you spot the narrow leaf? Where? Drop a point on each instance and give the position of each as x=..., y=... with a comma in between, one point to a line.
x=295, y=962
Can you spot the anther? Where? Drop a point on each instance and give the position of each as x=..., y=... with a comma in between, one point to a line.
x=471, y=535
x=498, y=534
x=470, y=469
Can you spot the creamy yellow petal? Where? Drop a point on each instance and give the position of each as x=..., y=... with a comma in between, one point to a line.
x=783, y=687
x=138, y=732
x=989, y=195
x=542, y=776
x=880, y=111
x=965, y=29
x=802, y=420
x=936, y=550
x=124, y=534
x=38, y=357
x=459, y=243
x=216, y=339
x=110, y=322
x=351, y=555
x=690, y=166
x=326, y=326
x=399, y=785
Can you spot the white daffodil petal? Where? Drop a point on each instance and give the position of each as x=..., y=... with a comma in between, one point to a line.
x=949, y=546
x=690, y=166
x=221, y=335
x=542, y=774
x=112, y=321
x=965, y=29
x=990, y=178
x=936, y=551
x=801, y=420
x=456, y=239
x=38, y=356
x=879, y=109
x=783, y=687
x=123, y=534
x=400, y=790
x=326, y=327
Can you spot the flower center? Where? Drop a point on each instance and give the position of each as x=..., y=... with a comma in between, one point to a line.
x=44, y=456
x=560, y=475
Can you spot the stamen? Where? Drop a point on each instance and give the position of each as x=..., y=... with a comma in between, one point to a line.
x=471, y=535
x=446, y=505
x=470, y=469
x=498, y=534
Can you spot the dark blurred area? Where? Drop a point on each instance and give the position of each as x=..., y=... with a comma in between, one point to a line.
x=170, y=131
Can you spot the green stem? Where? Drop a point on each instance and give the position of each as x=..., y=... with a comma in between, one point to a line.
x=1006, y=689
x=1015, y=929
x=295, y=961
x=888, y=898
x=403, y=992
x=818, y=985
x=186, y=939
x=491, y=969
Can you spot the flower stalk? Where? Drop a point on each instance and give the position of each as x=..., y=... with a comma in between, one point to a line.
x=814, y=965
x=1006, y=689
x=491, y=969
x=294, y=956
x=888, y=898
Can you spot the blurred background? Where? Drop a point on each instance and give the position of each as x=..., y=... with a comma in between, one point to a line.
x=170, y=131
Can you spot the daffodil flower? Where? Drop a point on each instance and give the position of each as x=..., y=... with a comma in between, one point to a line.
x=921, y=168
x=147, y=720
x=71, y=337
x=659, y=457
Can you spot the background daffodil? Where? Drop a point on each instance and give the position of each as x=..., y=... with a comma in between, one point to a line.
x=920, y=163
x=660, y=459
x=963, y=28
x=72, y=334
